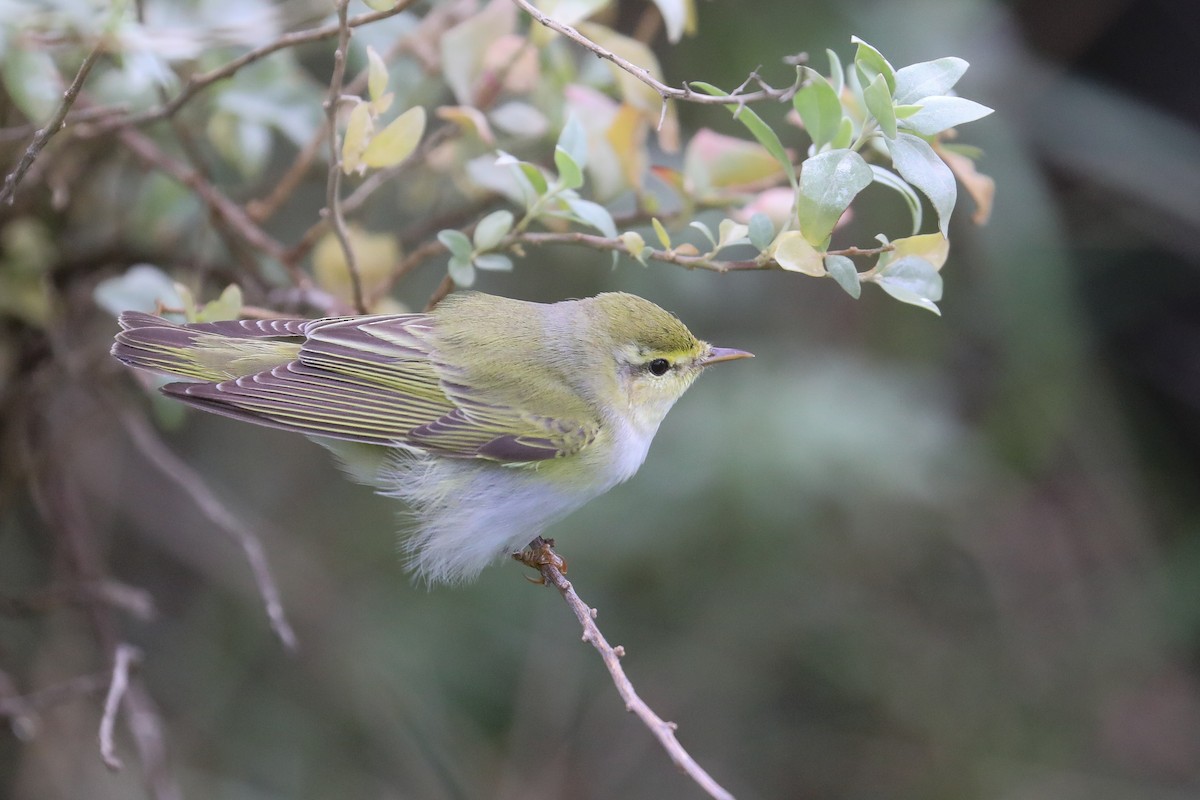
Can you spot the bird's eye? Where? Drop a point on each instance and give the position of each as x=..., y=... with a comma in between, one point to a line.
x=659, y=366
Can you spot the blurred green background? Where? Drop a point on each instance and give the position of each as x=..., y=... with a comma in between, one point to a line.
x=896, y=556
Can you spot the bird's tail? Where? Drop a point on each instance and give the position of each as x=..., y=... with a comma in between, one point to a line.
x=211, y=351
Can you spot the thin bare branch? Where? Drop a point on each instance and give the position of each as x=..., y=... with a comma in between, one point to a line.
x=124, y=659
x=540, y=555
x=54, y=125
x=25, y=706
x=333, y=185
x=152, y=447
x=642, y=74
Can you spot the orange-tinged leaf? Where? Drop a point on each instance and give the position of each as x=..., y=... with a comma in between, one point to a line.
x=981, y=187
x=716, y=161
x=633, y=91
x=397, y=141
x=470, y=119
x=627, y=135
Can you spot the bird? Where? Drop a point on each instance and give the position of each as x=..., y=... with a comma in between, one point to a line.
x=490, y=418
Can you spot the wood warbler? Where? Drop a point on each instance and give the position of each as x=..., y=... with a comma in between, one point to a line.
x=491, y=418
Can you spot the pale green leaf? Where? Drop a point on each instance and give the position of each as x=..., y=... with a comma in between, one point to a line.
x=879, y=103
x=869, y=62
x=569, y=173
x=708, y=234
x=829, y=182
x=593, y=215
x=837, y=76
x=842, y=270
x=461, y=271
x=674, y=14
x=635, y=244
x=573, y=140
x=493, y=262
x=358, y=132
x=917, y=81
x=457, y=243
x=762, y=231
x=819, y=108
x=492, y=229
x=939, y=113
x=795, y=254
x=916, y=162
x=397, y=141
x=885, y=177
x=912, y=280
x=845, y=135
x=142, y=287
x=227, y=306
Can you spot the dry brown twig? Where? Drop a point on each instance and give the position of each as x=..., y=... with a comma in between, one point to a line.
x=540, y=555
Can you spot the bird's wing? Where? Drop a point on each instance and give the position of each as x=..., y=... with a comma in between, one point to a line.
x=377, y=380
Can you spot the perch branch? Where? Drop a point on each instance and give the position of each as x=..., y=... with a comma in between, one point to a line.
x=541, y=556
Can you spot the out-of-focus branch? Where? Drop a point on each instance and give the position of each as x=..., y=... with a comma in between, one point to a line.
x=150, y=446
x=53, y=126
x=540, y=555
x=125, y=658
x=642, y=74
x=198, y=83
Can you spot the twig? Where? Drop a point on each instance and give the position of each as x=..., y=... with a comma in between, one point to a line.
x=150, y=446
x=42, y=137
x=642, y=74
x=198, y=83
x=439, y=294
x=126, y=656
x=541, y=556
x=16, y=706
x=333, y=185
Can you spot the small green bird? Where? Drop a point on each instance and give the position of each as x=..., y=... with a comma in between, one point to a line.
x=491, y=418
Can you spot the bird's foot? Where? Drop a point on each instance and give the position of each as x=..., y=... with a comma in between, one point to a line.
x=539, y=554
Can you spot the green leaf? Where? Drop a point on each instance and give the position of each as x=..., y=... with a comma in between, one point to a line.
x=939, y=113
x=33, y=81
x=593, y=215
x=819, y=109
x=573, y=140
x=708, y=234
x=795, y=254
x=492, y=229
x=842, y=270
x=837, y=76
x=227, y=306
x=829, y=182
x=845, y=135
x=916, y=162
x=885, y=177
x=912, y=280
x=569, y=173
x=675, y=15
x=457, y=243
x=142, y=287
x=358, y=131
x=397, y=141
x=461, y=271
x=917, y=81
x=495, y=262
x=377, y=74
x=762, y=231
x=761, y=131
x=869, y=62
x=879, y=103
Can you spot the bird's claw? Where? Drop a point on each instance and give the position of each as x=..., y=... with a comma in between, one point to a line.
x=538, y=554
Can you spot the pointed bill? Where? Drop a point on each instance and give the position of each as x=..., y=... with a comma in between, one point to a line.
x=719, y=354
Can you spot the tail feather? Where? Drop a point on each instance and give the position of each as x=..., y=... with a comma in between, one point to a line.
x=213, y=351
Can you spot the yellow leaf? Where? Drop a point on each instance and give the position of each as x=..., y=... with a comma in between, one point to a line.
x=933, y=247
x=795, y=254
x=358, y=130
x=375, y=256
x=661, y=232
x=634, y=243
x=397, y=141
x=627, y=135
x=377, y=74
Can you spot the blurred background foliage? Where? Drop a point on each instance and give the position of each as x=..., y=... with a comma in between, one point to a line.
x=896, y=556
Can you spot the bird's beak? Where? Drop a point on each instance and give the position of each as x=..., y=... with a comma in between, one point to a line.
x=719, y=354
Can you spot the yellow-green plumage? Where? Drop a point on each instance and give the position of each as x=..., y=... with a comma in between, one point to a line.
x=490, y=417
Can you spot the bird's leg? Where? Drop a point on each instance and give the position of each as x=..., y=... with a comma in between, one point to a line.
x=539, y=554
